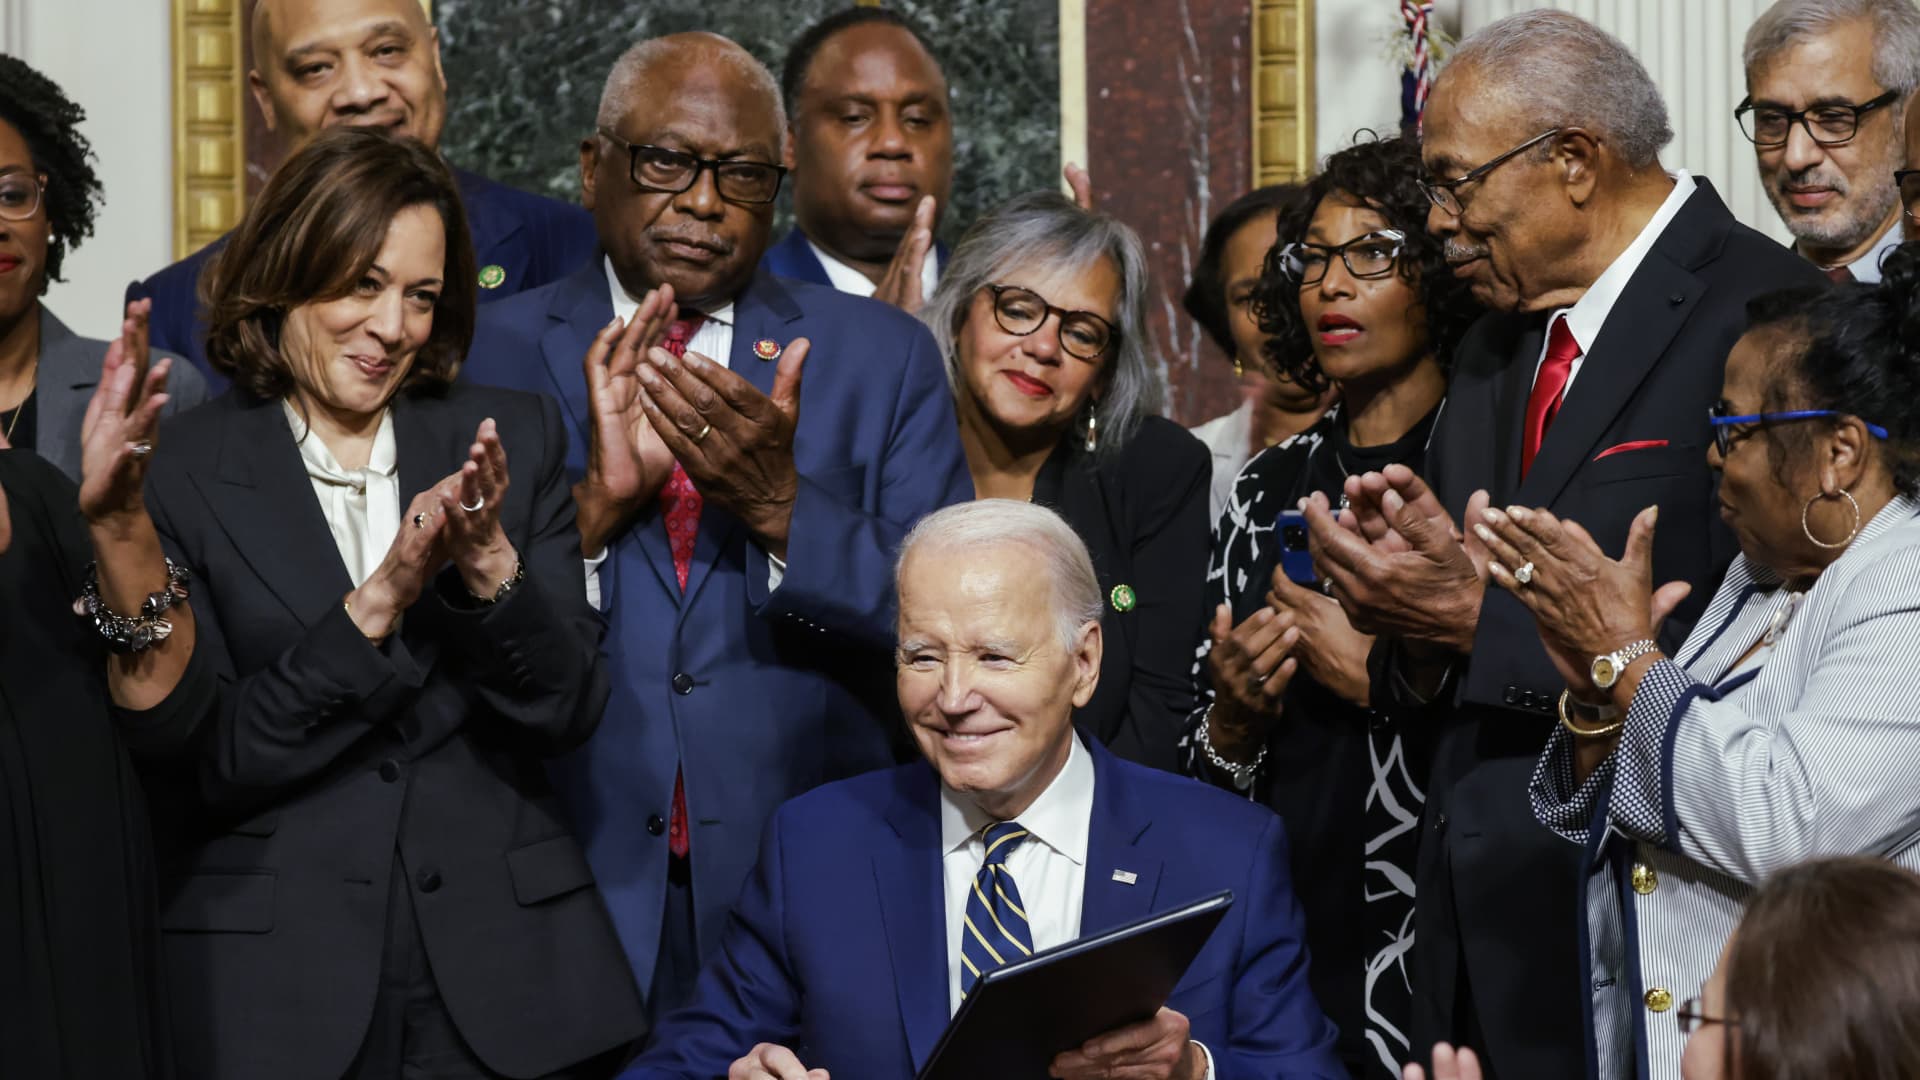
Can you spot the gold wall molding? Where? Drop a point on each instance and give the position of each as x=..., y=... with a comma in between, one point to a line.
x=1283, y=90
x=209, y=96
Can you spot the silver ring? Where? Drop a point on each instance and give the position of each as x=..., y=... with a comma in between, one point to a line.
x=476, y=507
x=140, y=449
x=704, y=429
x=420, y=521
x=1524, y=575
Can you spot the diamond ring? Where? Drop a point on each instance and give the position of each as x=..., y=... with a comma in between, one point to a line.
x=1524, y=575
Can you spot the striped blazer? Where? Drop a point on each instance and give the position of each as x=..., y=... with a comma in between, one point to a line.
x=1726, y=772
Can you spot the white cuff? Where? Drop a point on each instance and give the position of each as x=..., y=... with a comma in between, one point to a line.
x=1209, y=1054
x=592, y=563
x=776, y=571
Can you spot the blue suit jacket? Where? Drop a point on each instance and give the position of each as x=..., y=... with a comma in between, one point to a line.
x=533, y=239
x=793, y=257
x=838, y=948
x=756, y=696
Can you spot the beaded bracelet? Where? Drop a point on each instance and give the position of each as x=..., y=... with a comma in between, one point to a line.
x=136, y=633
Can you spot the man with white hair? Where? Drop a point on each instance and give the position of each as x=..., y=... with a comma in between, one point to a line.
x=738, y=521
x=878, y=901
x=1828, y=86
x=1616, y=290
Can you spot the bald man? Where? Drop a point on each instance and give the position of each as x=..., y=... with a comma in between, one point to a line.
x=318, y=63
x=747, y=452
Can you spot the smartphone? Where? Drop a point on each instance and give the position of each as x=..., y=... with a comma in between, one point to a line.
x=1291, y=529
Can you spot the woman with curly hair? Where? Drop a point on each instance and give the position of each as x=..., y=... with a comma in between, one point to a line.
x=49, y=196
x=1355, y=295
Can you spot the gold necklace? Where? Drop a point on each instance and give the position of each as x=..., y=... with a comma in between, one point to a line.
x=17, y=410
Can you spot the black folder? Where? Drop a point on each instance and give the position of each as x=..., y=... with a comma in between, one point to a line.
x=1019, y=1017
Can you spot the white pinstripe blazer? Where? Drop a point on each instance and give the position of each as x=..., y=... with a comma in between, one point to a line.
x=1718, y=781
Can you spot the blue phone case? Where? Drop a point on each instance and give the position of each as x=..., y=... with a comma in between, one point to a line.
x=1290, y=529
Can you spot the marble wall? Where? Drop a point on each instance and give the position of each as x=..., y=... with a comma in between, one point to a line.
x=517, y=113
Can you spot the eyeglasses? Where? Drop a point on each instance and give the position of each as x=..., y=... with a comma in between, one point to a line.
x=1022, y=311
x=1369, y=256
x=1908, y=180
x=20, y=196
x=1828, y=125
x=1692, y=1018
x=657, y=168
x=1445, y=193
x=1725, y=437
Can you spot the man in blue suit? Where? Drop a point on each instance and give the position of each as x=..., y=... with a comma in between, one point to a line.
x=377, y=63
x=871, y=148
x=879, y=900
x=741, y=519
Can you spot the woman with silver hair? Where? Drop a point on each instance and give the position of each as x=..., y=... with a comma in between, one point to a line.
x=1041, y=316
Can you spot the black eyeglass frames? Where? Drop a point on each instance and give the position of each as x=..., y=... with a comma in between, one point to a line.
x=1020, y=312
x=657, y=168
x=1832, y=124
x=1445, y=194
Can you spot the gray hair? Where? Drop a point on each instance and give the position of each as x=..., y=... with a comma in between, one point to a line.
x=1047, y=232
x=1896, y=35
x=1003, y=523
x=1560, y=70
x=616, y=97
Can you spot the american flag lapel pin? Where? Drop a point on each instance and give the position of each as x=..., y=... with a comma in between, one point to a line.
x=1125, y=877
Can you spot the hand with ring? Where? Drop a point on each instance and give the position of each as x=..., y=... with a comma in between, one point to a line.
x=627, y=463
x=470, y=501
x=122, y=422
x=1586, y=604
x=418, y=551
x=1250, y=666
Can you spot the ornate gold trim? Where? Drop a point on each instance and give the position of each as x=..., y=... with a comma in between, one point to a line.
x=1283, y=91
x=209, y=151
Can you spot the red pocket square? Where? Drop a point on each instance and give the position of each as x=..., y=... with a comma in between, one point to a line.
x=1637, y=444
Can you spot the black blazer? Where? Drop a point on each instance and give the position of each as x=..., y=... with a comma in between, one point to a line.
x=319, y=755
x=1496, y=935
x=1142, y=512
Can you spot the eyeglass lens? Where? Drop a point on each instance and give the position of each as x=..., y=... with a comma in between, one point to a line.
x=738, y=181
x=1828, y=126
x=1021, y=311
x=19, y=197
x=1367, y=257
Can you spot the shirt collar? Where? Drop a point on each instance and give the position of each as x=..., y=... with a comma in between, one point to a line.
x=624, y=305
x=846, y=279
x=1866, y=268
x=382, y=460
x=1589, y=313
x=1060, y=818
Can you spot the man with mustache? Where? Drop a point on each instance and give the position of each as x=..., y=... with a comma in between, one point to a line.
x=1828, y=84
x=737, y=512
x=871, y=149
x=1617, y=289
x=372, y=63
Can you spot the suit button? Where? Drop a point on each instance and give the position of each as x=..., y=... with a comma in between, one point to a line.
x=1659, y=1000
x=682, y=683
x=1645, y=880
x=429, y=880
x=389, y=770
x=1440, y=821
x=1512, y=695
x=655, y=825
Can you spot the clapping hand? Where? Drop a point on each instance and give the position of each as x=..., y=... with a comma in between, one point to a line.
x=1448, y=1064
x=122, y=422
x=901, y=284
x=1080, y=184
x=1250, y=664
x=1329, y=649
x=735, y=443
x=469, y=502
x=1396, y=562
x=627, y=463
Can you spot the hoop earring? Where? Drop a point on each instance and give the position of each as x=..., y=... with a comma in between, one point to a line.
x=1851, y=533
x=1093, y=429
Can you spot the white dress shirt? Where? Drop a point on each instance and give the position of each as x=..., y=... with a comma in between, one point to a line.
x=713, y=339
x=1866, y=268
x=1049, y=867
x=362, y=506
x=848, y=280
x=1589, y=313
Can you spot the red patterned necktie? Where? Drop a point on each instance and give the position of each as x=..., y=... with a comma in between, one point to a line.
x=1549, y=386
x=680, y=507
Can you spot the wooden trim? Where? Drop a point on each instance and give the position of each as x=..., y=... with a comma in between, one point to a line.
x=1073, y=84
x=1283, y=90
x=209, y=147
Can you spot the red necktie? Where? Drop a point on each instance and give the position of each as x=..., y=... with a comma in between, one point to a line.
x=1549, y=385
x=680, y=506
x=1841, y=275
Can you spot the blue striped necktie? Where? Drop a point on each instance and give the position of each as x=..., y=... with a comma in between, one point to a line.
x=996, y=929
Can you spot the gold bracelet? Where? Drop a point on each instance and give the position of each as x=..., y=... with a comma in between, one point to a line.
x=1566, y=721
x=346, y=602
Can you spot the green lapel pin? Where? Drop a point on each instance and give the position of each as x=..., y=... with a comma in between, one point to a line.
x=1123, y=598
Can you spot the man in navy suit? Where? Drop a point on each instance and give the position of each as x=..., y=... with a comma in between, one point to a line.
x=871, y=148
x=878, y=901
x=377, y=63
x=740, y=520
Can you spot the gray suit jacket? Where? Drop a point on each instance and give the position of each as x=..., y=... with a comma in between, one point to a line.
x=69, y=370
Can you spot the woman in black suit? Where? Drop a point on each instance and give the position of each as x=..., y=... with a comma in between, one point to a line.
x=1041, y=315
x=364, y=871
